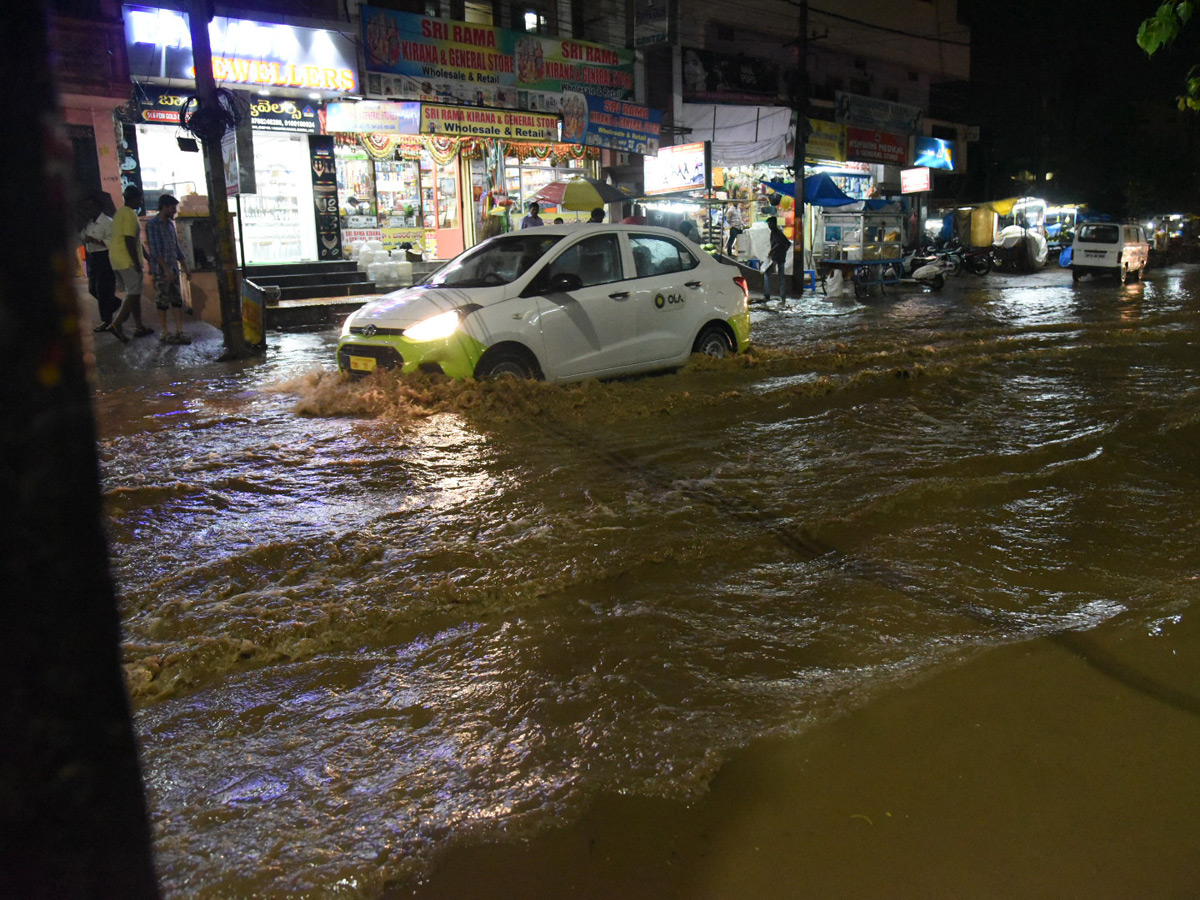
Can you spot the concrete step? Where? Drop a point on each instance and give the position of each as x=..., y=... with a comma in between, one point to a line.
x=317, y=291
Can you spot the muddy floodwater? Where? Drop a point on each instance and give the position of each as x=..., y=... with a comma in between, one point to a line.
x=901, y=604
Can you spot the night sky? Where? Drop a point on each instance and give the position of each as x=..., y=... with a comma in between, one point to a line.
x=1064, y=88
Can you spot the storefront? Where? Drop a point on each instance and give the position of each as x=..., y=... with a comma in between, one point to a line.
x=502, y=113
x=279, y=77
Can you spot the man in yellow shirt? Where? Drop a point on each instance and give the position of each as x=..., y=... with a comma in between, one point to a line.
x=125, y=256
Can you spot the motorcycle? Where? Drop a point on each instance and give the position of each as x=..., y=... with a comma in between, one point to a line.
x=977, y=261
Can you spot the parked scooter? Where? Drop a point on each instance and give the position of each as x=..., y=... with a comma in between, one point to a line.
x=930, y=271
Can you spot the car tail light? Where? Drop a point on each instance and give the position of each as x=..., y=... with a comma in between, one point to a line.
x=741, y=282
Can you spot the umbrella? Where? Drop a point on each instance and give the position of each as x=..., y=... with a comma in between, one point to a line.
x=580, y=194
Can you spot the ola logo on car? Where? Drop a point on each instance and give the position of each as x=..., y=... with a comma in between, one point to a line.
x=660, y=301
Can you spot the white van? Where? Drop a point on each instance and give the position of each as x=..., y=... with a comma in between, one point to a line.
x=1108, y=248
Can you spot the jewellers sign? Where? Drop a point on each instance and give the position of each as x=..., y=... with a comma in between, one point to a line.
x=264, y=54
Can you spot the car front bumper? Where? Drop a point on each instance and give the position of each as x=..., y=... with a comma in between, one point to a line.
x=455, y=356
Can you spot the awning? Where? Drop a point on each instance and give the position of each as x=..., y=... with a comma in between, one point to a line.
x=821, y=190
x=740, y=135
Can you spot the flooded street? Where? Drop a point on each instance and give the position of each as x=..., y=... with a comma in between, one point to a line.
x=900, y=604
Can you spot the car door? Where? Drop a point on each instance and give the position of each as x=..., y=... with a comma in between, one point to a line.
x=667, y=291
x=589, y=330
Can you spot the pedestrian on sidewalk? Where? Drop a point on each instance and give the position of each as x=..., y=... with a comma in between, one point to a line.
x=125, y=256
x=780, y=245
x=102, y=283
x=533, y=220
x=166, y=259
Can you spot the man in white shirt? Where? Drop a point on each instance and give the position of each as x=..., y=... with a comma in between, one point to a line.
x=102, y=283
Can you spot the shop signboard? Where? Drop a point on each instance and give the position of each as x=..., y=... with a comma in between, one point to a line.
x=651, y=22
x=914, y=181
x=439, y=50
x=471, y=121
x=934, y=153
x=613, y=124
x=159, y=45
x=159, y=105
x=325, y=197
x=872, y=114
x=684, y=167
x=292, y=116
x=865, y=145
x=373, y=117
x=826, y=140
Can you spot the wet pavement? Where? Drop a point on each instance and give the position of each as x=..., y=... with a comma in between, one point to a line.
x=898, y=604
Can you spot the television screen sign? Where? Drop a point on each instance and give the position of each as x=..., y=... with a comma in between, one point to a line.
x=934, y=153
x=683, y=167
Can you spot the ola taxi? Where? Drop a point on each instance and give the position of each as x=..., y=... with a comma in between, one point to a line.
x=560, y=302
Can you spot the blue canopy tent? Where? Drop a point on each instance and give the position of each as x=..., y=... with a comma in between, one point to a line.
x=821, y=190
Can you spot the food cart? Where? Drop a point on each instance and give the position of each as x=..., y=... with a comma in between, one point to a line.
x=865, y=246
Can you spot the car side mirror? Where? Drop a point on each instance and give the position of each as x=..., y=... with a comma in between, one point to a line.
x=563, y=283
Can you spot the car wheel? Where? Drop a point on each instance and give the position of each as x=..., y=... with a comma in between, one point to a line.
x=507, y=362
x=713, y=341
x=1075, y=276
x=1123, y=275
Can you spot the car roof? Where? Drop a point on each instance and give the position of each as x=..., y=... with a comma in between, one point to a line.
x=597, y=228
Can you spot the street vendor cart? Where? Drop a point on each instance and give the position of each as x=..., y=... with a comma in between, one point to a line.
x=865, y=246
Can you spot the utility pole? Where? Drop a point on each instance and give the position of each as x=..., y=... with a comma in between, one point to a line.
x=799, y=146
x=200, y=13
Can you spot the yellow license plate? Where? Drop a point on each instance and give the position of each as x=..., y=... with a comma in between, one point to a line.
x=362, y=363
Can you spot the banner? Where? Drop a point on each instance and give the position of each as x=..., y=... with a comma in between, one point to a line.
x=614, y=124
x=325, y=197
x=161, y=106
x=424, y=48
x=884, y=147
x=710, y=77
x=869, y=113
x=470, y=121
x=826, y=140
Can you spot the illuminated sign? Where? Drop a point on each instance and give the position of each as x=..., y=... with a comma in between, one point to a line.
x=865, y=145
x=913, y=181
x=373, y=117
x=470, y=121
x=935, y=153
x=244, y=52
x=684, y=167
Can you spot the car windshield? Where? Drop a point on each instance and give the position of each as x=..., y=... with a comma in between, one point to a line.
x=1098, y=234
x=496, y=262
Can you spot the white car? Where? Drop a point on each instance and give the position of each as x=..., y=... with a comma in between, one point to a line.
x=560, y=302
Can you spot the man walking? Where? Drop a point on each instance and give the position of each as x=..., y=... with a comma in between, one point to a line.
x=780, y=245
x=166, y=259
x=125, y=256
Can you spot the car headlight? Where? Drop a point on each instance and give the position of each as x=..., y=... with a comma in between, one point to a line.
x=435, y=328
